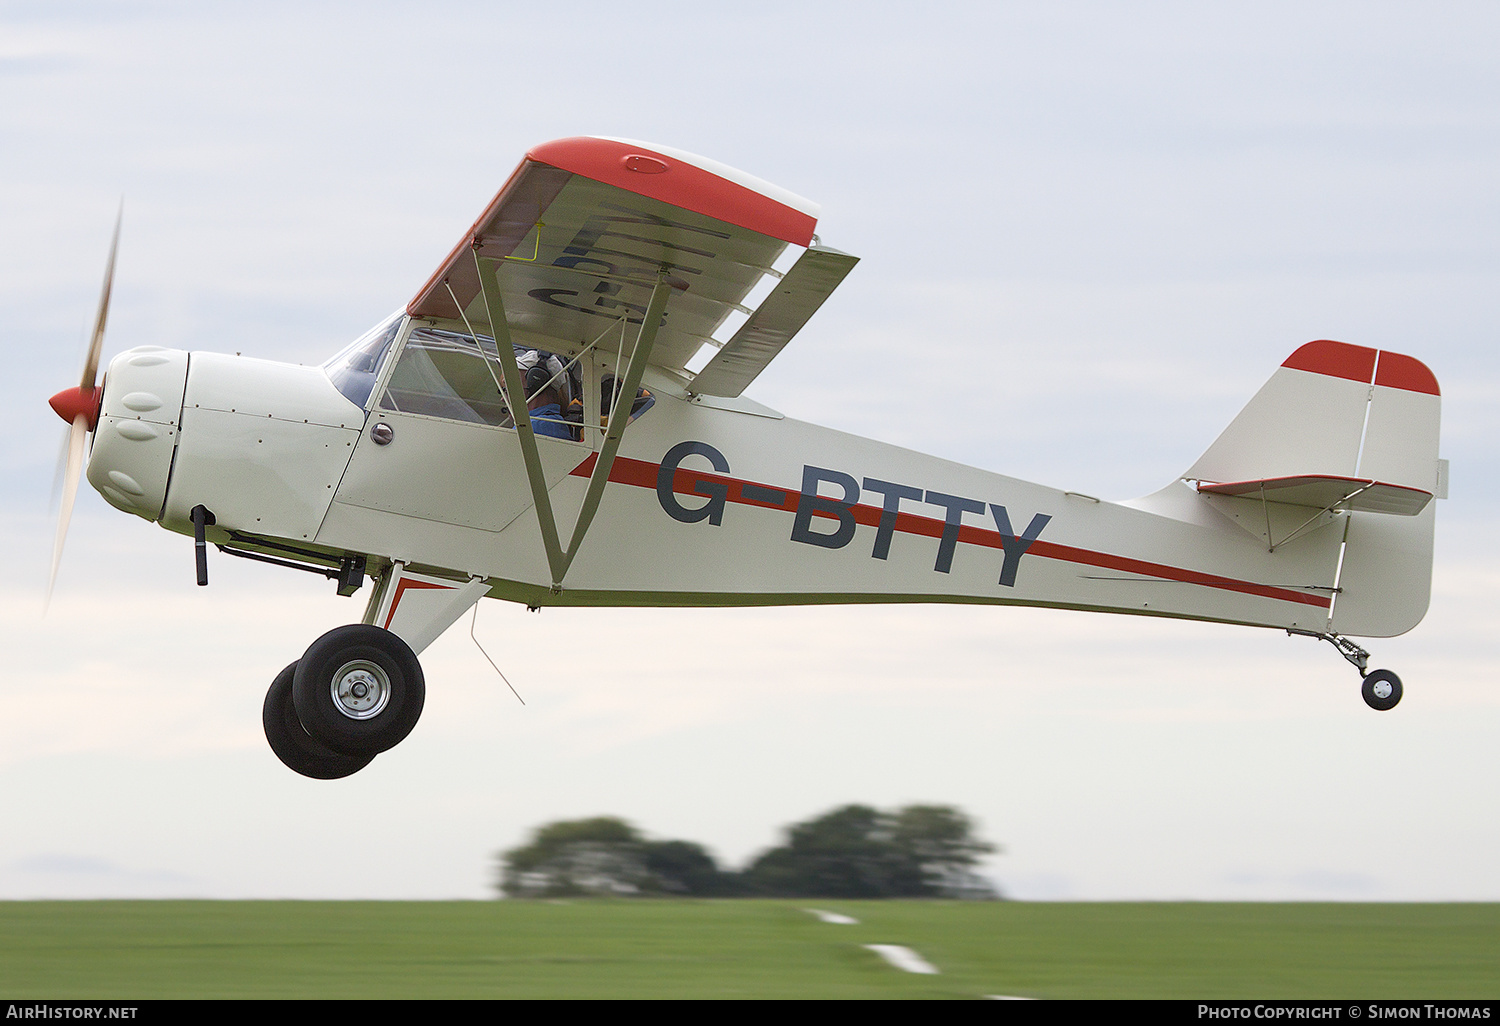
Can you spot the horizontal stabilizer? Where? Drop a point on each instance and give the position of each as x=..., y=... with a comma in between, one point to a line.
x=783, y=313
x=1360, y=495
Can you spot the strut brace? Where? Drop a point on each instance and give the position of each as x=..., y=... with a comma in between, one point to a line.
x=558, y=558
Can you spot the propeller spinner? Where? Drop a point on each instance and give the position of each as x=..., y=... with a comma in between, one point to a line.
x=79, y=406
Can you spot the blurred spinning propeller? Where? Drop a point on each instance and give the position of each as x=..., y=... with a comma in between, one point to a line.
x=80, y=406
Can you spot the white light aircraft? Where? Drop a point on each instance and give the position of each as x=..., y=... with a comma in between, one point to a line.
x=557, y=418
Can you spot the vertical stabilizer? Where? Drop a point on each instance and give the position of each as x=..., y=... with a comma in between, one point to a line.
x=1357, y=427
x=1308, y=419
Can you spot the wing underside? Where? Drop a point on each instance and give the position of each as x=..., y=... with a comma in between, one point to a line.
x=585, y=228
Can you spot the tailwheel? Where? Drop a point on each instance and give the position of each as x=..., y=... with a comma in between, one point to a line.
x=1381, y=689
x=358, y=690
x=291, y=742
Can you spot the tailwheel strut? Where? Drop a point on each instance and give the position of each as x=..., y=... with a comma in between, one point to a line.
x=1381, y=689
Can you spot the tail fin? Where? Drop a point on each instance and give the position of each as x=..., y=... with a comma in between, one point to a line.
x=1356, y=429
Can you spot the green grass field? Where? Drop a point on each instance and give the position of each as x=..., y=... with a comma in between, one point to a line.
x=742, y=949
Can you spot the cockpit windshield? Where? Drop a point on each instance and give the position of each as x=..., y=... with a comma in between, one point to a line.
x=354, y=369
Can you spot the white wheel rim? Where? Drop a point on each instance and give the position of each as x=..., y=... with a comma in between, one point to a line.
x=361, y=690
x=1382, y=689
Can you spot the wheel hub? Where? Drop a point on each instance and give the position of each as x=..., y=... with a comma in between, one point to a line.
x=1382, y=689
x=361, y=690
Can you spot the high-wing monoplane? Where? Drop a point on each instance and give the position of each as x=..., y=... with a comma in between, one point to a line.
x=558, y=417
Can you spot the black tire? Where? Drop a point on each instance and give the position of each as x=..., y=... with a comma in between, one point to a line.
x=291, y=742
x=1381, y=689
x=358, y=690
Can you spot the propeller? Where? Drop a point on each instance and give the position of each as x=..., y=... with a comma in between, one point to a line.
x=80, y=408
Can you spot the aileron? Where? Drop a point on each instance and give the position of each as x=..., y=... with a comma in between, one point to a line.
x=790, y=305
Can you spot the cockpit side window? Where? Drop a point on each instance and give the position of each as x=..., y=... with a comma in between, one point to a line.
x=446, y=374
x=455, y=376
x=355, y=368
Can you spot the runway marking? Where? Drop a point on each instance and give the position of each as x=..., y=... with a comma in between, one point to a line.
x=833, y=917
x=904, y=959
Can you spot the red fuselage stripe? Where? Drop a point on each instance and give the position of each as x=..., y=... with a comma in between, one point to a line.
x=642, y=474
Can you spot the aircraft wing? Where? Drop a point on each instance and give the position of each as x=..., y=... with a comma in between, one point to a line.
x=585, y=225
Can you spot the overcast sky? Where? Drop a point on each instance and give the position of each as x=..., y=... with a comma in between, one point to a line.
x=1089, y=232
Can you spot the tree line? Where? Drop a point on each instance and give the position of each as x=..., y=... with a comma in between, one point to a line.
x=920, y=851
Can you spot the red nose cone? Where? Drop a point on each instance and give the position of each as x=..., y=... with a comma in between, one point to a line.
x=71, y=402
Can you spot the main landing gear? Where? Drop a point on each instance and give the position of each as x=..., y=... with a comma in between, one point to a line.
x=1381, y=689
x=356, y=691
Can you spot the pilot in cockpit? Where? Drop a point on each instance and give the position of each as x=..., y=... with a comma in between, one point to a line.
x=555, y=395
x=549, y=393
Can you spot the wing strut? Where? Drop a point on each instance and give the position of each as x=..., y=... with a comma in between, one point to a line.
x=559, y=559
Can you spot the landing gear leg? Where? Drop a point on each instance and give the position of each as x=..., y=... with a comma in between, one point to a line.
x=1381, y=688
x=292, y=744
